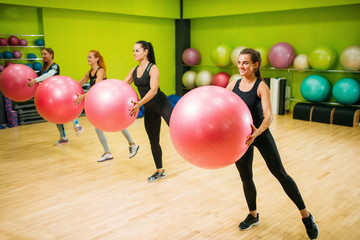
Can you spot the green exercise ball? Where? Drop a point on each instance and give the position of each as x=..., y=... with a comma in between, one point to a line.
x=264, y=53
x=346, y=91
x=322, y=58
x=221, y=55
x=315, y=88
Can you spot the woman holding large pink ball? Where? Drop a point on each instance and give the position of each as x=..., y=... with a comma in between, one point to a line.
x=101, y=105
x=49, y=69
x=256, y=94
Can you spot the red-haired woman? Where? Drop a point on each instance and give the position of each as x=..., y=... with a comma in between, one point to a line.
x=96, y=74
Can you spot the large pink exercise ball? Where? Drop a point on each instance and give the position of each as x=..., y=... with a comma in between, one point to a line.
x=281, y=55
x=191, y=56
x=54, y=99
x=221, y=55
x=235, y=55
x=107, y=105
x=13, y=81
x=264, y=53
x=188, y=79
x=322, y=58
x=350, y=58
x=209, y=127
x=220, y=79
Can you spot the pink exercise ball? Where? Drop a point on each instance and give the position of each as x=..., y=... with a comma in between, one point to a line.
x=281, y=55
x=13, y=40
x=23, y=42
x=220, y=79
x=191, y=56
x=13, y=81
x=54, y=99
x=107, y=105
x=209, y=127
x=17, y=54
x=3, y=41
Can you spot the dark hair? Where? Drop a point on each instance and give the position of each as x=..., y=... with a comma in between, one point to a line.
x=147, y=45
x=45, y=65
x=255, y=57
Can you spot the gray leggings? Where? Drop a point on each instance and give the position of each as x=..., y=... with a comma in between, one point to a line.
x=103, y=140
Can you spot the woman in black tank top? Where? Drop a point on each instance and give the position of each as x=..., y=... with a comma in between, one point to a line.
x=256, y=95
x=96, y=74
x=157, y=105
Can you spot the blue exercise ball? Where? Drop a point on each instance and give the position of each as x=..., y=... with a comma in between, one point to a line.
x=29, y=65
x=31, y=56
x=8, y=55
x=37, y=66
x=39, y=42
x=346, y=91
x=315, y=88
x=1, y=55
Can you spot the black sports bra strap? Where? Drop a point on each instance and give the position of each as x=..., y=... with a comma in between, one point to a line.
x=149, y=66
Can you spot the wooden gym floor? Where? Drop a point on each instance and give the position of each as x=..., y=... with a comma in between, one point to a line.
x=49, y=192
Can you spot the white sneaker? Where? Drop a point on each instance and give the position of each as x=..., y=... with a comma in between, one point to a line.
x=133, y=150
x=105, y=157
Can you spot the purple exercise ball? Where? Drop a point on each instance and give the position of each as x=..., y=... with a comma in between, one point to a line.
x=17, y=54
x=13, y=40
x=281, y=55
x=191, y=56
x=23, y=42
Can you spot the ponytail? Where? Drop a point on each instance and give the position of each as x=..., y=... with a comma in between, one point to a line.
x=151, y=54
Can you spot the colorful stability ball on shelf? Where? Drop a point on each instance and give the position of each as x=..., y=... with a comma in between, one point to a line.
x=37, y=66
x=220, y=79
x=346, y=91
x=350, y=58
x=17, y=54
x=235, y=77
x=1, y=55
x=13, y=41
x=322, y=58
x=31, y=56
x=107, y=105
x=3, y=42
x=191, y=56
x=301, y=62
x=188, y=79
x=39, y=42
x=7, y=64
x=13, y=81
x=282, y=55
x=209, y=127
x=264, y=53
x=1, y=68
x=8, y=55
x=221, y=55
x=54, y=99
x=203, y=78
x=29, y=65
x=315, y=88
x=23, y=42
x=235, y=55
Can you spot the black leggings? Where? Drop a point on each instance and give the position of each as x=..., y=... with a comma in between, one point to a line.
x=152, y=119
x=267, y=147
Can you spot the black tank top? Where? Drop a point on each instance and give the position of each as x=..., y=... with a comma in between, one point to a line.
x=93, y=78
x=252, y=100
x=143, y=84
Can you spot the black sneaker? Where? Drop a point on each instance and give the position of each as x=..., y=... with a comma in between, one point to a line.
x=157, y=175
x=311, y=227
x=249, y=221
